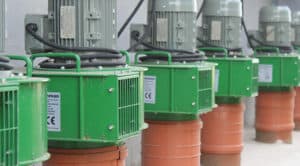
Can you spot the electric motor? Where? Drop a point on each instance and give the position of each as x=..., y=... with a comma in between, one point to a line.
x=296, y=28
x=222, y=23
x=275, y=26
x=173, y=24
x=82, y=23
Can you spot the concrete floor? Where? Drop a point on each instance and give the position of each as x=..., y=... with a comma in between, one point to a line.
x=259, y=154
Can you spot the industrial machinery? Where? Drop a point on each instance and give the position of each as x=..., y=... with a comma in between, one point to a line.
x=95, y=100
x=178, y=83
x=23, y=129
x=32, y=115
x=296, y=30
x=236, y=75
x=278, y=75
x=296, y=45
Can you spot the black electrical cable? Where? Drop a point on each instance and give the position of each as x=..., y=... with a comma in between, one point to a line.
x=141, y=40
x=212, y=45
x=201, y=9
x=181, y=59
x=247, y=34
x=4, y=59
x=32, y=28
x=251, y=37
x=206, y=43
x=259, y=42
x=147, y=31
x=57, y=65
x=98, y=55
x=283, y=49
x=245, y=27
x=4, y=66
x=136, y=9
x=4, y=63
x=165, y=49
x=135, y=35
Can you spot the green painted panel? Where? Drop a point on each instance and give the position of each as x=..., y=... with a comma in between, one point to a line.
x=95, y=106
x=237, y=77
x=283, y=70
x=9, y=109
x=181, y=89
x=33, y=137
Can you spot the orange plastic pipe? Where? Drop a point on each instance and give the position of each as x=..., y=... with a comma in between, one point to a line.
x=275, y=116
x=171, y=143
x=297, y=110
x=109, y=156
x=222, y=135
x=222, y=131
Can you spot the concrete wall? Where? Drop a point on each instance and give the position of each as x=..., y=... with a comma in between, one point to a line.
x=15, y=41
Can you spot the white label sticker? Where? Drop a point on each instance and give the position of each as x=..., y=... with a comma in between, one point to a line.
x=265, y=73
x=67, y=22
x=270, y=33
x=217, y=78
x=162, y=30
x=216, y=30
x=150, y=89
x=54, y=105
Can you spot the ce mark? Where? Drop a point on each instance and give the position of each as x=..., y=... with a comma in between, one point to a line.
x=51, y=120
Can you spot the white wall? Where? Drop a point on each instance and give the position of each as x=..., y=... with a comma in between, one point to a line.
x=252, y=8
x=16, y=10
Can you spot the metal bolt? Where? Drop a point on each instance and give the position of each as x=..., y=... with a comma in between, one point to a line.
x=111, y=127
x=193, y=77
x=248, y=67
x=110, y=90
x=194, y=103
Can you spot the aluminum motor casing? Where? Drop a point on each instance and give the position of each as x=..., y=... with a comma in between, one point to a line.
x=84, y=23
x=174, y=24
x=222, y=24
x=296, y=28
x=275, y=25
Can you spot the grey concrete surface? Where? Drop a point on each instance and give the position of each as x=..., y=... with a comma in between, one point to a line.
x=249, y=115
x=134, y=149
x=259, y=154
